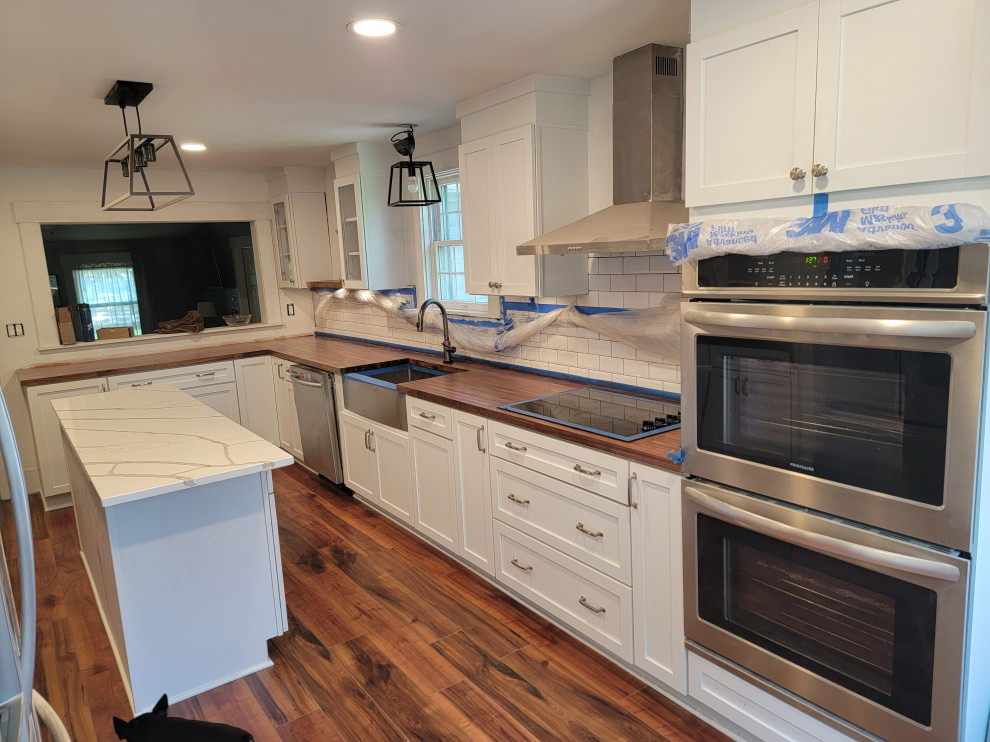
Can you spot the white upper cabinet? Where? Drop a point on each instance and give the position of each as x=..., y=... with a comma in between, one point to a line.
x=837, y=95
x=524, y=171
x=302, y=231
x=371, y=236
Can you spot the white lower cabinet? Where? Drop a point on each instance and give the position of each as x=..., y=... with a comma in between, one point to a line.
x=213, y=384
x=764, y=715
x=48, y=435
x=473, y=491
x=256, y=396
x=657, y=575
x=435, y=487
x=578, y=596
x=289, y=438
x=376, y=464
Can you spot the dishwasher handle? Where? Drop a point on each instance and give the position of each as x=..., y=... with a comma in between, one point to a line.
x=303, y=382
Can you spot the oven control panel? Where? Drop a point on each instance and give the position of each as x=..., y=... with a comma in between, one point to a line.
x=860, y=269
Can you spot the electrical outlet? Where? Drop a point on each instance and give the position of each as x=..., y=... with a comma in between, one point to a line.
x=15, y=330
x=290, y=310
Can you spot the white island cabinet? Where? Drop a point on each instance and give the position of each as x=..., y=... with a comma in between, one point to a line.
x=177, y=529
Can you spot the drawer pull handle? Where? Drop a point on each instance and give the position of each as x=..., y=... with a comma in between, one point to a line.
x=427, y=416
x=590, y=472
x=593, y=534
x=514, y=447
x=143, y=383
x=520, y=500
x=206, y=374
x=584, y=601
x=524, y=567
x=629, y=490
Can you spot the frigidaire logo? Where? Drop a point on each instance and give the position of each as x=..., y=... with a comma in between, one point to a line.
x=802, y=467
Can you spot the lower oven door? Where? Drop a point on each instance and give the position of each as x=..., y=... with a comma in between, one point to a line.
x=867, y=626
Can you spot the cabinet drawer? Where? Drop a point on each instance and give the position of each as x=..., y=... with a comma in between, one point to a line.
x=183, y=377
x=429, y=416
x=766, y=716
x=592, y=529
x=586, y=468
x=592, y=604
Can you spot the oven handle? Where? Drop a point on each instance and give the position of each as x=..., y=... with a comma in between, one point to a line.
x=826, y=544
x=940, y=329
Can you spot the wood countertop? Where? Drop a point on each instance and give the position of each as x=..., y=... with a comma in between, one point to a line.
x=473, y=387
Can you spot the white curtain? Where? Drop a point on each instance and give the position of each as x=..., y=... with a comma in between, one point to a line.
x=111, y=293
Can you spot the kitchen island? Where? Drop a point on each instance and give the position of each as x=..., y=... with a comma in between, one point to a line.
x=176, y=518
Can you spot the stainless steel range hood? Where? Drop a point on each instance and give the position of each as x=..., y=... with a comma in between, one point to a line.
x=647, y=144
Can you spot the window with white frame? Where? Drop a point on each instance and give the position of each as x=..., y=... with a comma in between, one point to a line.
x=110, y=292
x=443, y=250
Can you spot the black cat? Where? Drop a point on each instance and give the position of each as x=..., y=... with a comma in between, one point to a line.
x=158, y=727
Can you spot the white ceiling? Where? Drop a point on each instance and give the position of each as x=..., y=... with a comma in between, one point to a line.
x=266, y=84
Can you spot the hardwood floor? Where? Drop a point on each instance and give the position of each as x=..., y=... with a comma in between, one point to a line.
x=389, y=640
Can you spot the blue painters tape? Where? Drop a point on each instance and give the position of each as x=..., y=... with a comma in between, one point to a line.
x=676, y=456
x=655, y=393
x=532, y=306
x=821, y=204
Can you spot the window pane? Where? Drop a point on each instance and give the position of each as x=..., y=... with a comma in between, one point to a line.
x=452, y=226
x=111, y=294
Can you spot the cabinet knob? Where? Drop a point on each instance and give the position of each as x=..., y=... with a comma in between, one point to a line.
x=797, y=173
x=819, y=170
x=491, y=284
x=498, y=285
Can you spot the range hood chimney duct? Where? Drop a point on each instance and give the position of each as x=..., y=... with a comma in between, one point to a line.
x=647, y=161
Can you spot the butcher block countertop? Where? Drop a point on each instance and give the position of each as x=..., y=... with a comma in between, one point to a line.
x=473, y=387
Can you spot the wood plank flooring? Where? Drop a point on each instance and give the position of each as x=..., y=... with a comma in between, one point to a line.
x=389, y=639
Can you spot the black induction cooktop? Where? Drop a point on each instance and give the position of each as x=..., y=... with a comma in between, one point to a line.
x=622, y=416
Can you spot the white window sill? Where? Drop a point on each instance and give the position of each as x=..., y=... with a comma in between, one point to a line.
x=213, y=333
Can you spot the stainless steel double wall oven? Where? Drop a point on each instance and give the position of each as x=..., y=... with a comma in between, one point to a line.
x=833, y=406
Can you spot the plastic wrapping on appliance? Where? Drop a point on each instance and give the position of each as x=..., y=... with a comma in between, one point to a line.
x=654, y=330
x=869, y=228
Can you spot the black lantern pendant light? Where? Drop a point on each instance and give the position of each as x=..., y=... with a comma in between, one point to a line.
x=411, y=183
x=135, y=155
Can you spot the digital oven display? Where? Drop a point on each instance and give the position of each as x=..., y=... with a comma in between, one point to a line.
x=860, y=269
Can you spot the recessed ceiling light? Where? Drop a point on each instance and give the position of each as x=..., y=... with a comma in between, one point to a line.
x=192, y=147
x=373, y=27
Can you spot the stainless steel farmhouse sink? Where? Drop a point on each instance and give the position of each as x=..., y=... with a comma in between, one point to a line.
x=372, y=394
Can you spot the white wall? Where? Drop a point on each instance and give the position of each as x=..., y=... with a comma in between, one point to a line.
x=60, y=185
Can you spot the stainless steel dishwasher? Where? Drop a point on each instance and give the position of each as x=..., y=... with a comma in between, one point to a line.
x=317, y=413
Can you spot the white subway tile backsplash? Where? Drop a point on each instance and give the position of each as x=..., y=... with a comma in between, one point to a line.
x=649, y=282
x=610, y=265
x=631, y=266
x=672, y=283
x=625, y=282
x=577, y=344
x=600, y=347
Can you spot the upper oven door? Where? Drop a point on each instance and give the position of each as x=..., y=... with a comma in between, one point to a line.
x=871, y=413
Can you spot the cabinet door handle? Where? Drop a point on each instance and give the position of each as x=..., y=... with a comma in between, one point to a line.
x=371, y=438
x=520, y=500
x=819, y=170
x=143, y=383
x=103, y=387
x=584, y=601
x=491, y=284
x=427, y=416
x=591, y=473
x=797, y=173
x=279, y=372
x=593, y=534
x=514, y=447
x=629, y=491
x=519, y=565
x=206, y=374
x=366, y=444
x=481, y=439
x=498, y=285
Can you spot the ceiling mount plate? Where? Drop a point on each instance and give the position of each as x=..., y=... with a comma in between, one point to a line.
x=127, y=93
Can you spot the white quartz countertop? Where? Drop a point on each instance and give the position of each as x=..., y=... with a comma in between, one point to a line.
x=137, y=443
